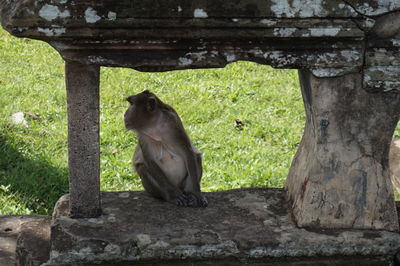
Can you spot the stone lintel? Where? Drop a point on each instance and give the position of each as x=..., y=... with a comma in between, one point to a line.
x=244, y=225
x=331, y=38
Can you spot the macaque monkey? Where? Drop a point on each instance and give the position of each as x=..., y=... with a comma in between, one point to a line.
x=168, y=164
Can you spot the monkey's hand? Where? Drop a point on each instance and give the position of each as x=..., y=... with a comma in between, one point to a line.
x=191, y=200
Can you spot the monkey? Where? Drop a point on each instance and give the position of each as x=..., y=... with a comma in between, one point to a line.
x=169, y=166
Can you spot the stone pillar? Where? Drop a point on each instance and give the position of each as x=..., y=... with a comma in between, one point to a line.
x=82, y=82
x=340, y=175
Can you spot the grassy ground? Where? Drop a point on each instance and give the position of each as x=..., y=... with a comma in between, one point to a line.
x=33, y=160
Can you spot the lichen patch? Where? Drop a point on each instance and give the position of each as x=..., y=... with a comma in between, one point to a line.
x=91, y=15
x=382, y=6
x=396, y=42
x=143, y=240
x=268, y=22
x=319, y=32
x=230, y=57
x=300, y=8
x=284, y=32
x=112, y=15
x=51, y=12
x=200, y=13
x=50, y=32
x=183, y=61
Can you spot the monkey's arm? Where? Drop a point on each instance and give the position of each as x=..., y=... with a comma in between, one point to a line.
x=194, y=169
x=178, y=141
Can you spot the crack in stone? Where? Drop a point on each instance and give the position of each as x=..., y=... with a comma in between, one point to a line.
x=364, y=40
x=346, y=2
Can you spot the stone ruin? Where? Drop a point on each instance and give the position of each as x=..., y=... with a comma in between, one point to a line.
x=337, y=205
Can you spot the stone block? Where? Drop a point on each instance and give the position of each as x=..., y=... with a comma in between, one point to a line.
x=10, y=228
x=240, y=226
x=33, y=243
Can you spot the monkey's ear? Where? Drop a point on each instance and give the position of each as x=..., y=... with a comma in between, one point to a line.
x=151, y=104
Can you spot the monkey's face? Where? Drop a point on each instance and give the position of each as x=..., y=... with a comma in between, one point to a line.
x=130, y=117
x=141, y=111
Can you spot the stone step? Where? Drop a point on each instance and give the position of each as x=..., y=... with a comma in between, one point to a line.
x=251, y=226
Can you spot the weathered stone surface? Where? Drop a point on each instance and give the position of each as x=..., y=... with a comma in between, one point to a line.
x=10, y=227
x=374, y=8
x=329, y=37
x=394, y=158
x=108, y=12
x=33, y=244
x=340, y=176
x=82, y=82
x=239, y=226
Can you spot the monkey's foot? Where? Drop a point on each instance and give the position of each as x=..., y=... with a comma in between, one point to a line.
x=182, y=200
x=197, y=201
x=191, y=200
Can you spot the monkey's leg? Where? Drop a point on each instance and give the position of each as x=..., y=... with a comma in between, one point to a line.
x=191, y=186
x=200, y=168
x=154, y=180
x=156, y=184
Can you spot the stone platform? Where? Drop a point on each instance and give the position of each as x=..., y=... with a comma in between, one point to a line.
x=244, y=226
x=11, y=227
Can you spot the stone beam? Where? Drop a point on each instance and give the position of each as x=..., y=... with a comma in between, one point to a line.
x=331, y=38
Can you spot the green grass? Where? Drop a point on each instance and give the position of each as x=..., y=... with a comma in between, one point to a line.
x=33, y=161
